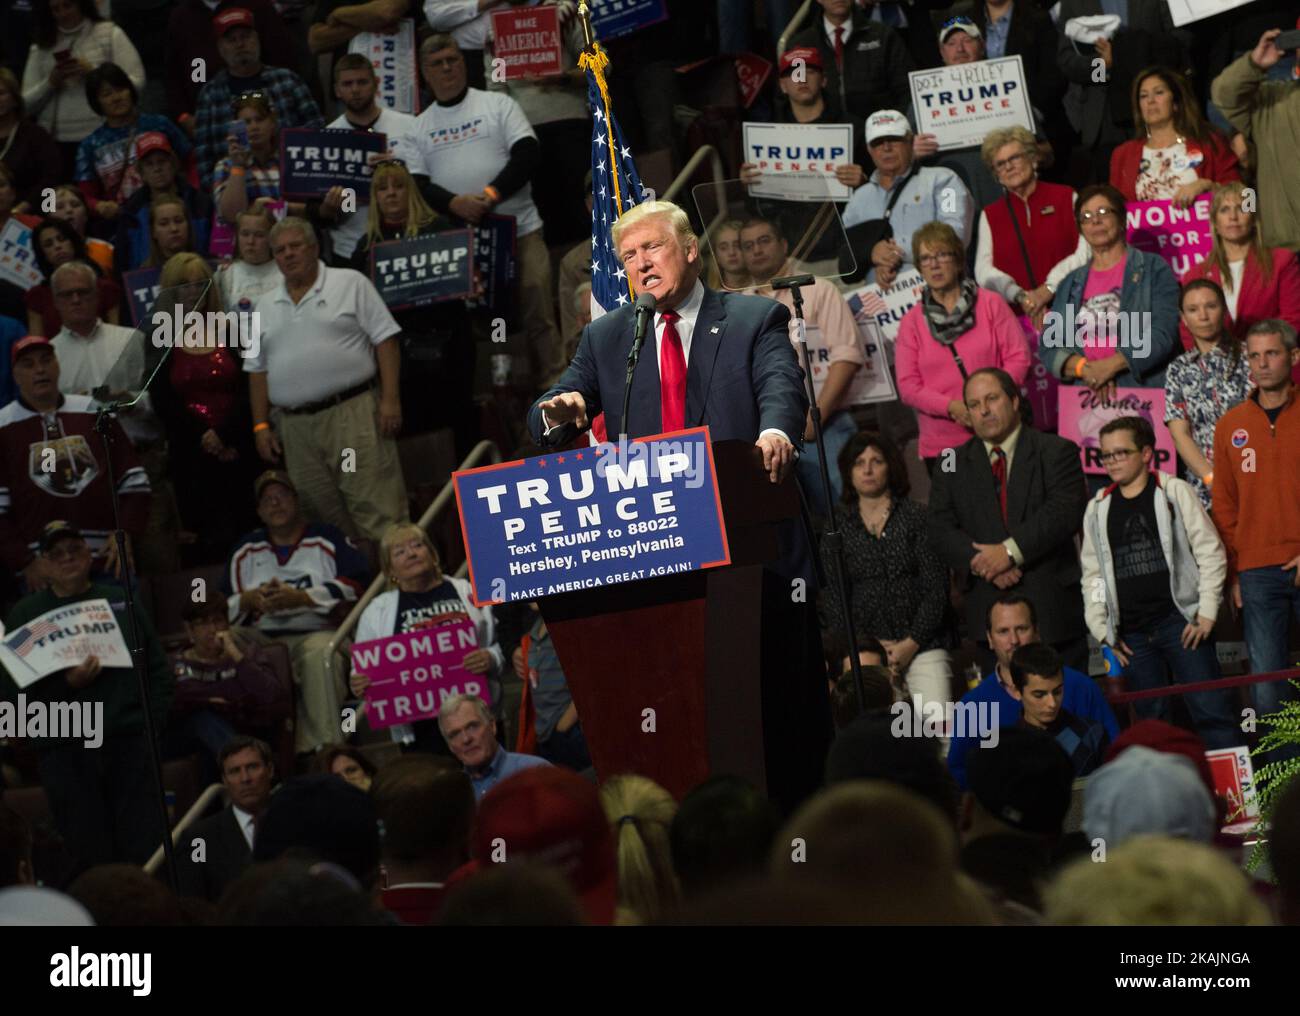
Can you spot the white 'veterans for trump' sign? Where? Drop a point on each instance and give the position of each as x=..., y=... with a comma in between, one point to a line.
x=798, y=160
x=61, y=638
x=962, y=103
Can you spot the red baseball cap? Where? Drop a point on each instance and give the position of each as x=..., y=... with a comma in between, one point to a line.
x=236, y=17
x=553, y=815
x=810, y=56
x=25, y=343
x=152, y=141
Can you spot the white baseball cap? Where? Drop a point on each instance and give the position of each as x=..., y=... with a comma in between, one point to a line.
x=887, y=123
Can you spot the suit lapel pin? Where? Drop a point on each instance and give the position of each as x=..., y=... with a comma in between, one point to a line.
x=713, y=330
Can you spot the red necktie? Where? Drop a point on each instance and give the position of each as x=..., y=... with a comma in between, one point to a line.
x=1000, y=479
x=839, y=48
x=672, y=377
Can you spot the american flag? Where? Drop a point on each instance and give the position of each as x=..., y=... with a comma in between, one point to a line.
x=30, y=636
x=873, y=303
x=611, y=165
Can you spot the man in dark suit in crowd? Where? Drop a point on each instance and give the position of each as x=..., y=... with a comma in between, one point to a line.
x=1004, y=509
x=215, y=850
x=724, y=359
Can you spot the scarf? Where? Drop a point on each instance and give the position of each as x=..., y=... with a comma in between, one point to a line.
x=948, y=326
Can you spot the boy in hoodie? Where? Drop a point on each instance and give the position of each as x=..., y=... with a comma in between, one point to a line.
x=1153, y=573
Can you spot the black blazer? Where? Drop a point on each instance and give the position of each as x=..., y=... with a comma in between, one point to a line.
x=1046, y=498
x=226, y=855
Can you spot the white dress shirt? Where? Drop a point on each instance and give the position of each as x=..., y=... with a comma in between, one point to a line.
x=831, y=29
x=245, y=820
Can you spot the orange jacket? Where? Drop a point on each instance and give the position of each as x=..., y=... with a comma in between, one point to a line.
x=1257, y=484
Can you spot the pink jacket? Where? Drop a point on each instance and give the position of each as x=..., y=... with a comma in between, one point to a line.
x=928, y=378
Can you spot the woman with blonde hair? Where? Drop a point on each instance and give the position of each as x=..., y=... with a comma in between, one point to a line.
x=641, y=813
x=438, y=351
x=1258, y=282
x=202, y=399
x=421, y=596
x=252, y=272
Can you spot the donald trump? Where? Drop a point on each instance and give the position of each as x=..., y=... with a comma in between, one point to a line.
x=721, y=360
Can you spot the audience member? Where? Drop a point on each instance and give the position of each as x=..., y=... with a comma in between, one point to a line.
x=69, y=40
x=11, y=296
x=26, y=149
x=421, y=596
x=893, y=854
x=918, y=194
x=726, y=259
x=1153, y=571
x=468, y=25
x=1038, y=683
x=1175, y=155
x=827, y=316
x=641, y=814
x=253, y=272
x=90, y=349
x=337, y=22
x=170, y=230
x=33, y=906
x=470, y=730
x=555, y=717
x=1154, y=881
x=1267, y=112
x=898, y=588
x=224, y=683
x=487, y=171
x=721, y=835
x=299, y=891
x=99, y=785
x=1023, y=28
x=249, y=175
x=1004, y=511
x=280, y=91
x=1204, y=382
x=325, y=335
x=323, y=817
x=438, y=348
x=802, y=83
x=77, y=488
x=1114, y=319
x=1012, y=623
x=107, y=169
x=70, y=206
x=526, y=894
x=1027, y=242
x=350, y=764
x=287, y=578
x=1144, y=791
x=1013, y=815
x=956, y=328
x=124, y=896
x=216, y=850
x=553, y=816
x=866, y=61
x=56, y=243
x=1258, y=282
x=160, y=176
x=191, y=37
x=878, y=686
x=867, y=749
x=1257, y=490
x=426, y=813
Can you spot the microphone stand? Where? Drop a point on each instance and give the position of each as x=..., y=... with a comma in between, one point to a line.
x=633, y=357
x=103, y=417
x=832, y=539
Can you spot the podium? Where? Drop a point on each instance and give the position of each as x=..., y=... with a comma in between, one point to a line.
x=710, y=672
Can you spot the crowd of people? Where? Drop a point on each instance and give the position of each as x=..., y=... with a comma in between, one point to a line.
x=970, y=529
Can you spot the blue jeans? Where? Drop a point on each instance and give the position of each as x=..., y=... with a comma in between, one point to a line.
x=1157, y=653
x=836, y=433
x=1269, y=598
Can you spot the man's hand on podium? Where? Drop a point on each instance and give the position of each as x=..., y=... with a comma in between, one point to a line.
x=570, y=407
x=778, y=455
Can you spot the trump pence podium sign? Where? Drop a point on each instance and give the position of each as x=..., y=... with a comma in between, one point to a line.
x=593, y=516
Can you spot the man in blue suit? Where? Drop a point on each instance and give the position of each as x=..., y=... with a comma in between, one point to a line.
x=721, y=360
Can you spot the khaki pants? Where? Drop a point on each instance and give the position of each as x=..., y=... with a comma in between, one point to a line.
x=346, y=473
x=320, y=693
x=537, y=306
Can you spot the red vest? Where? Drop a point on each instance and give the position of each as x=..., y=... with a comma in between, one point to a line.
x=1047, y=225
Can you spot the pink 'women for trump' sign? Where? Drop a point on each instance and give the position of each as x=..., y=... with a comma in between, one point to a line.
x=413, y=674
x=1081, y=415
x=1183, y=237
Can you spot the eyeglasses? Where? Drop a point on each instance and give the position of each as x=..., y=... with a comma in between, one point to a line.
x=245, y=97
x=943, y=257
x=1100, y=214
x=1118, y=454
x=1009, y=161
x=391, y=161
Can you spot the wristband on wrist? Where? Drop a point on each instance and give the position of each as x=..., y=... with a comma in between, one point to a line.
x=492, y=194
x=1208, y=478
x=1079, y=365
x=259, y=427
x=237, y=170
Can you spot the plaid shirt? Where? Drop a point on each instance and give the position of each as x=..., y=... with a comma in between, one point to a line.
x=260, y=181
x=1085, y=741
x=294, y=107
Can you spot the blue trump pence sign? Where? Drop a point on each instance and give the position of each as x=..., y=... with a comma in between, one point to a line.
x=592, y=517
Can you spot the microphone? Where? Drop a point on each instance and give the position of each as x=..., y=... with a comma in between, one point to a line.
x=645, y=308
x=645, y=312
